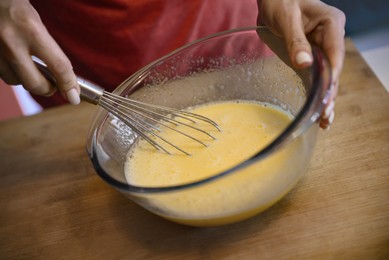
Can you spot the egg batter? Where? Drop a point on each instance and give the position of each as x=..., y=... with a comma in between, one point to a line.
x=246, y=128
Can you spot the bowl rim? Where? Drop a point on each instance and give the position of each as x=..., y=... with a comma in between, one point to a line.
x=310, y=112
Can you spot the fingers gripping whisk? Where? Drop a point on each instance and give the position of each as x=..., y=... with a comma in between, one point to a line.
x=144, y=119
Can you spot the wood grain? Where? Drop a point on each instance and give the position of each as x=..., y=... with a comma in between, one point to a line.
x=53, y=205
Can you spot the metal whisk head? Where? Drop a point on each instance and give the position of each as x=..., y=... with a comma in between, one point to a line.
x=144, y=119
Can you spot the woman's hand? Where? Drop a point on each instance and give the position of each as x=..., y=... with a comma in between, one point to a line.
x=298, y=21
x=22, y=35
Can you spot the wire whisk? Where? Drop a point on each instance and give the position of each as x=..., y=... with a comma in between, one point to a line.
x=143, y=118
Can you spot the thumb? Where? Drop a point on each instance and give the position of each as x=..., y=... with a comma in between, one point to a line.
x=299, y=49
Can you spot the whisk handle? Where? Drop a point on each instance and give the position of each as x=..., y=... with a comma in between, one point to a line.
x=89, y=91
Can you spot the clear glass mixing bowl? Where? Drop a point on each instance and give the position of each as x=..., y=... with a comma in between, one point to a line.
x=245, y=64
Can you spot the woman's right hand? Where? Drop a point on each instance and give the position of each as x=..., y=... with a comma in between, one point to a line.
x=22, y=35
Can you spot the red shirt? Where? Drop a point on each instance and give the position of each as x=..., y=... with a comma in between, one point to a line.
x=108, y=40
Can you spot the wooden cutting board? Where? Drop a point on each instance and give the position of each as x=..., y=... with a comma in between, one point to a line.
x=53, y=205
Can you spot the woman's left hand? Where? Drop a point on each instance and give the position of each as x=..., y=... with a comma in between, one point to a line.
x=298, y=21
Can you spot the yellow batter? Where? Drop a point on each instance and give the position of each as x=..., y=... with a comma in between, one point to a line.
x=246, y=128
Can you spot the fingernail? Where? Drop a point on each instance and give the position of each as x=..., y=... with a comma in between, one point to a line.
x=51, y=92
x=329, y=109
x=331, y=118
x=73, y=96
x=303, y=57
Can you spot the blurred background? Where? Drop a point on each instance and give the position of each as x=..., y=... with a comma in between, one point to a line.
x=367, y=25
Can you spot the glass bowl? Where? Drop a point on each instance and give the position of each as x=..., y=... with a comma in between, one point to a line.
x=241, y=64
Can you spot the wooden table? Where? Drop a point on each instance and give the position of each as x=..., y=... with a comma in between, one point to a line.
x=53, y=205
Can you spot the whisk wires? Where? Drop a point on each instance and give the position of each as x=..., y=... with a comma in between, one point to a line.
x=146, y=120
